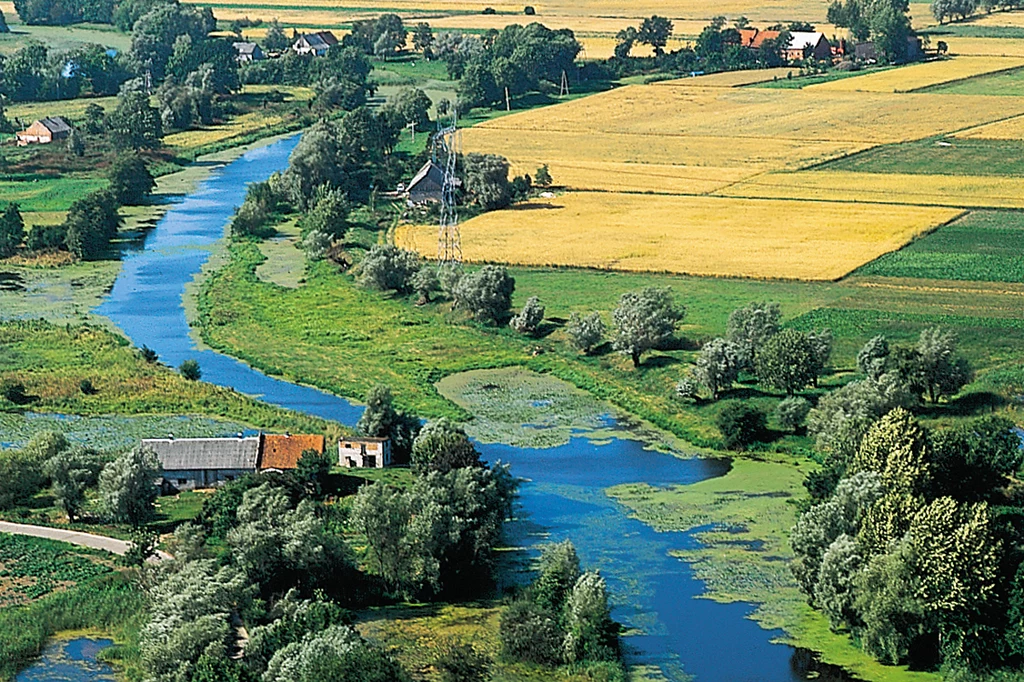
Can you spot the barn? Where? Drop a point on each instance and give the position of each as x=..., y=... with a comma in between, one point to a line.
x=191, y=463
x=45, y=131
x=426, y=186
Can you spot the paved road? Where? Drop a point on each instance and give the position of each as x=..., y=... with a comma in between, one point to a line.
x=74, y=537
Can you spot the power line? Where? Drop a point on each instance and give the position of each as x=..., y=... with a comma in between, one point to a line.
x=447, y=147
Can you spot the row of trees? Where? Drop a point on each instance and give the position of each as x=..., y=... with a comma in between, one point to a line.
x=884, y=22
x=35, y=72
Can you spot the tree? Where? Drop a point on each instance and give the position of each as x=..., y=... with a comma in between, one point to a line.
x=91, y=224
x=886, y=601
x=786, y=361
x=134, y=124
x=821, y=342
x=316, y=244
x=423, y=38
x=380, y=419
x=328, y=213
x=717, y=366
x=410, y=106
x=487, y=180
x=655, y=31
x=442, y=446
x=128, y=487
x=312, y=471
x=791, y=412
x=190, y=370
x=71, y=470
x=389, y=268
x=873, y=358
x=21, y=471
x=624, y=42
x=591, y=634
x=75, y=143
x=750, y=328
x=487, y=293
x=383, y=515
x=424, y=283
x=559, y=571
x=530, y=633
x=645, y=320
x=585, y=333
x=542, y=178
x=130, y=180
x=973, y=461
x=275, y=39
x=741, y=424
x=389, y=35
x=529, y=319
x=12, y=230
x=94, y=115
x=942, y=371
x=834, y=588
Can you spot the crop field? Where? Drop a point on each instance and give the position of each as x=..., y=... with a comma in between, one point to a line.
x=1008, y=19
x=950, y=156
x=985, y=47
x=691, y=235
x=33, y=567
x=912, y=188
x=70, y=108
x=983, y=246
x=918, y=76
x=1009, y=129
x=1003, y=83
x=731, y=79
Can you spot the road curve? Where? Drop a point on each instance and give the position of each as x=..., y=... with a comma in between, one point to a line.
x=74, y=537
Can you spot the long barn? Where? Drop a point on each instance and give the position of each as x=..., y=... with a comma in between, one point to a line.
x=191, y=463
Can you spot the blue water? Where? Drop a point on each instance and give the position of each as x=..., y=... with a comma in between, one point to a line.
x=564, y=493
x=70, y=661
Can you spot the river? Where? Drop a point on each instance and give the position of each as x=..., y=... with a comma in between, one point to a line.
x=564, y=493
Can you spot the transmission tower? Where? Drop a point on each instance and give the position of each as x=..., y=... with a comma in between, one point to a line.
x=447, y=146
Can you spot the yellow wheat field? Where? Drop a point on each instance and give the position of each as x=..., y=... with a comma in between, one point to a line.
x=635, y=177
x=985, y=47
x=764, y=113
x=1010, y=19
x=920, y=190
x=920, y=76
x=692, y=235
x=1010, y=129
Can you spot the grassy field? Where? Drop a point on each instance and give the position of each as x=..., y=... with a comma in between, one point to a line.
x=1004, y=83
x=688, y=235
x=939, y=156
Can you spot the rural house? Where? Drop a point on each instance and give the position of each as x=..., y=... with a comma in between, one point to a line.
x=315, y=44
x=45, y=131
x=247, y=52
x=282, y=452
x=426, y=185
x=364, y=453
x=191, y=463
x=802, y=44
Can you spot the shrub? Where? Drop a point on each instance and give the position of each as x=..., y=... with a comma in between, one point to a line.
x=190, y=370
x=741, y=424
x=531, y=634
x=791, y=412
x=487, y=293
x=585, y=333
x=463, y=663
x=529, y=319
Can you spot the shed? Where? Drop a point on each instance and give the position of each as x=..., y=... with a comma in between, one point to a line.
x=364, y=453
x=426, y=186
x=45, y=131
x=315, y=44
x=190, y=463
x=281, y=452
x=247, y=52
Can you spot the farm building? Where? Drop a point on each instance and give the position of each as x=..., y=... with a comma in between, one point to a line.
x=364, y=453
x=426, y=185
x=247, y=52
x=281, y=452
x=190, y=463
x=802, y=45
x=45, y=131
x=315, y=44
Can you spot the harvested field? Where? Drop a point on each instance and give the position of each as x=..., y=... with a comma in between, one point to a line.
x=917, y=76
x=692, y=235
x=894, y=188
x=732, y=79
x=1011, y=19
x=986, y=47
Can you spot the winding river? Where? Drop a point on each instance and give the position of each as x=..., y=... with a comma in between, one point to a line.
x=564, y=497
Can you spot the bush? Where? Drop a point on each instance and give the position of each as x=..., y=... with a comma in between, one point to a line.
x=529, y=319
x=531, y=634
x=190, y=370
x=741, y=424
x=791, y=413
x=463, y=663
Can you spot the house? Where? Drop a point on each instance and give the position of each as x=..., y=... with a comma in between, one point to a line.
x=191, y=463
x=426, y=185
x=808, y=45
x=282, y=452
x=315, y=44
x=45, y=131
x=247, y=52
x=364, y=453
x=802, y=44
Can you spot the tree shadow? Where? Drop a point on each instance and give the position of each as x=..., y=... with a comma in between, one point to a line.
x=970, y=405
x=659, y=361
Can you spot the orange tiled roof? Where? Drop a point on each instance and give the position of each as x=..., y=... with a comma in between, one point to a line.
x=282, y=451
x=753, y=37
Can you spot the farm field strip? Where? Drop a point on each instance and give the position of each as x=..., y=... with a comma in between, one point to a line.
x=710, y=236
x=1008, y=129
x=891, y=188
x=986, y=47
x=729, y=79
x=917, y=76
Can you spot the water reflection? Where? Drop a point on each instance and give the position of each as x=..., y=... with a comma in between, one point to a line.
x=70, y=661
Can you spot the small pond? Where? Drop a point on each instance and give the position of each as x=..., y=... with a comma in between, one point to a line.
x=72, y=660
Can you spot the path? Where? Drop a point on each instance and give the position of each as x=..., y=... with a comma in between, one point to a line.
x=74, y=537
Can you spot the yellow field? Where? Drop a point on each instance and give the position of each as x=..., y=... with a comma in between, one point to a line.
x=691, y=235
x=919, y=76
x=986, y=47
x=921, y=190
x=71, y=108
x=603, y=47
x=1011, y=19
x=1010, y=129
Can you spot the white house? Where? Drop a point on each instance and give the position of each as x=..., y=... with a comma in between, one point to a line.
x=364, y=453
